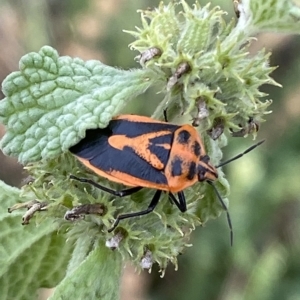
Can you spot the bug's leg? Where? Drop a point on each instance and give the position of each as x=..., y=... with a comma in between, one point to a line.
x=165, y=115
x=181, y=203
x=121, y=193
x=150, y=208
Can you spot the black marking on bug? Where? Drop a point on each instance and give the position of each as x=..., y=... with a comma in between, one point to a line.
x=196, y=148
x=96, y=149
x=156, y=147
x=192, y=171
x=133, y=129
x=183, y=137
x=205, y=159
x=130, y=163
x=176, y=166
x=93, y=137
x=163, y=139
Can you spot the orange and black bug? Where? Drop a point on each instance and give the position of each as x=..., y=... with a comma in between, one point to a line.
x=144, y=153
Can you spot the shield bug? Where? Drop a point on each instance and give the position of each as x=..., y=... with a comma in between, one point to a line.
x=141, y=152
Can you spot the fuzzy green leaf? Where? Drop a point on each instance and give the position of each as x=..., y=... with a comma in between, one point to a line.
x=31, y=256
x=52, y=100
x=96, y=278
x=269, y=15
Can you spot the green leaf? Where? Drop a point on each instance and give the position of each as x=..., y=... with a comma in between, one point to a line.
x=96, y=278
x=52, y=100
x=270, y=15
x=30, y=256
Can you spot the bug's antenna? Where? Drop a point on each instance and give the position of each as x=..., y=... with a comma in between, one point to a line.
x=239, y=155
x=226, y=210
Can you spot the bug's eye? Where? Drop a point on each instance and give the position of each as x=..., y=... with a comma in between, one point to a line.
x=201, y=177
x=202, y=174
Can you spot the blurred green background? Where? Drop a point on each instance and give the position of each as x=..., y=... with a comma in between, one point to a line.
x=265, y=185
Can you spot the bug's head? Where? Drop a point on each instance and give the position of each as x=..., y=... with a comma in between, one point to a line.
x=205, y=170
